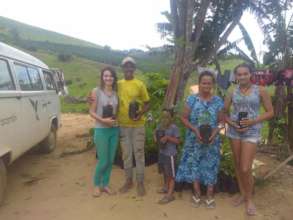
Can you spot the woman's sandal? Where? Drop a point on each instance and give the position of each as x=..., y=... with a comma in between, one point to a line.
x=251, y=211
x=97, y=194
x=109, y=191
x=238, y=201
x=210, y=203
x=195, y=201
x=166, y=199
x=162, y=191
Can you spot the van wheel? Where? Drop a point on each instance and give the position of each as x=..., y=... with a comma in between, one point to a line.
x=50, y=142
x=3, y=180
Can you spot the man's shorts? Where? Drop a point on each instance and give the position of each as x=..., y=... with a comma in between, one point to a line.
x=167, y=165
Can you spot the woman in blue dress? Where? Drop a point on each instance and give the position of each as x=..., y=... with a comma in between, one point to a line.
x=200, y=161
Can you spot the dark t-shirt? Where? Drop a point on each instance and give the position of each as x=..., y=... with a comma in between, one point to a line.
x=170, y=149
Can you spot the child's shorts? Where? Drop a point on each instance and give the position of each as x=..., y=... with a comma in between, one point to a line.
x=167, y=165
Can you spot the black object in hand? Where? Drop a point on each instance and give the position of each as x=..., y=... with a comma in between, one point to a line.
x=108, y=111
x=241, y=116
x=159, y=134
x=205, y=133
x=133, y=109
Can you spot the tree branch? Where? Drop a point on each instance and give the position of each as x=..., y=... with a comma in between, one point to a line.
x=175, y=17
x=199, y=22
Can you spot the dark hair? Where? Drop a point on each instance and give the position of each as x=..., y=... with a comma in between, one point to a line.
x=169, y=110
x=244, y=65
x=206, y=73
x=114, y=75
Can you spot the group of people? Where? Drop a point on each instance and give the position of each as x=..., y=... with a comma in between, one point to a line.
x=203, y=115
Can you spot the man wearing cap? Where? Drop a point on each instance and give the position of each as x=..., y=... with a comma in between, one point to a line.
x=132, y=131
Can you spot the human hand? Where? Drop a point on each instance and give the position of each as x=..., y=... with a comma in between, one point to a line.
x=108, y=121
x=213, y=135
x=89, y=98
x=241, y=130
x=246, y=122
x=164, y=139
x=198, y=136
x=138, y=117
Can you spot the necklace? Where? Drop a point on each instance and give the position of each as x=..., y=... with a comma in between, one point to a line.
x=244, y=90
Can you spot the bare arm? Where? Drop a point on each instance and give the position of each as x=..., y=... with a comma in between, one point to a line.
x=185, y=120
x=267, y=103
x=145, y=108
x=93, y=106
x=227, y=105
x=93, y=110
x=174, y=140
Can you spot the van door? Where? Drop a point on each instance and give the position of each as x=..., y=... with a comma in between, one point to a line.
x=52, y=96
x=40, y=97
x=11, y=120
x=31, y=99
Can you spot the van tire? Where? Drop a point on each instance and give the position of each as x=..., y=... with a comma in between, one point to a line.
x=50, y=142
x=3, y=180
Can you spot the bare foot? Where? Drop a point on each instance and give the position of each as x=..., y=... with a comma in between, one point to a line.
x=97, y=192
x=250, y=208
x=237, y=200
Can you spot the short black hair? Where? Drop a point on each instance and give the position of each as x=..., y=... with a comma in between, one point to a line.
x=169, y=110
x=244, y=65
x=206, y=73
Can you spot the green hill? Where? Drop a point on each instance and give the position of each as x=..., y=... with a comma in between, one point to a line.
x=10, y=29
x=33, y=38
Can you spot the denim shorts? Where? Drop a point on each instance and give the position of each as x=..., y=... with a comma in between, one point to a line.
x=252, y=135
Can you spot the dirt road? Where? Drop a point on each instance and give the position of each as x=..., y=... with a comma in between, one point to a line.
x=49, y=187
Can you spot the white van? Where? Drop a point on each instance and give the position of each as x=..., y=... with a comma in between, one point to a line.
x=29, y=106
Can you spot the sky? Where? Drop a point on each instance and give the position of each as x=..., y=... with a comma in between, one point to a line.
x=120, y=24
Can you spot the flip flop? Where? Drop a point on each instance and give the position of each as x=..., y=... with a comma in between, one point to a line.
x=237, y=202
x=251, y=211
x=162, y=191
x=195, y=201
x=210, y=203
x=109, y=192
x=97, y=194
x=166, y=199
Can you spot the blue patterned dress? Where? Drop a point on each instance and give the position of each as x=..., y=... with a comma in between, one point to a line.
x=200, y=162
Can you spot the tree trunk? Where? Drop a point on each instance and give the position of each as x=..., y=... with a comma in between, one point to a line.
x=172, y=89
x=279, y=109
x=182, y=84
x=290, y=117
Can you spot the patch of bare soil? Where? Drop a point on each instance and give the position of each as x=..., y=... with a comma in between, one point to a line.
x=52, y=187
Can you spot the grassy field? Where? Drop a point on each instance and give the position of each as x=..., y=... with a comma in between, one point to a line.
x=28, y=32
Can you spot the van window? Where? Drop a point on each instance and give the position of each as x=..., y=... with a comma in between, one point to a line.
x=23, y=78
x=50, y=85
x=6, y=82
x=35, y=79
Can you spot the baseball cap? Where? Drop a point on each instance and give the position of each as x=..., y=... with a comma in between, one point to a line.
x=128, y=60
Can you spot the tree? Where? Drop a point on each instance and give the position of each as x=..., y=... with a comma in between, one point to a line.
x=277, y=26
x=198, y=29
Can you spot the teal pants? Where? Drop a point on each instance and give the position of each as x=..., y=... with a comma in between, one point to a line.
x=106, y=140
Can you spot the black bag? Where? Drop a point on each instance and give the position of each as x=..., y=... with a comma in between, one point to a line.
x=108, y=111
x=133, y=109
x=205, y=132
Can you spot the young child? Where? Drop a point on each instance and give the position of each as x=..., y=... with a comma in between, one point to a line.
x=167, y=138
